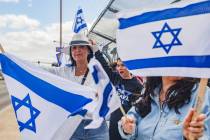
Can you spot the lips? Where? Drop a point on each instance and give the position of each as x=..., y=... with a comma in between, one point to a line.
x=78, y=54
x=121, y=72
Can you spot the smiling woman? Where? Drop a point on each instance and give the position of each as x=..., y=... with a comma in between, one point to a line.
x=80, y=54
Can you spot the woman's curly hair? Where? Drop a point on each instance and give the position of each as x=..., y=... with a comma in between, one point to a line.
x=177, y=95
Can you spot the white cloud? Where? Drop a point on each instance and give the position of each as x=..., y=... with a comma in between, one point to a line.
x=36, y=43
x=16, y=1
x=18, y=22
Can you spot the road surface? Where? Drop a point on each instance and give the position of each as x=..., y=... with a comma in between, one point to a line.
x=8, y=124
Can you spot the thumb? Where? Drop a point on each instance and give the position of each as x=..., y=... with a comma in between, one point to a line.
x=130, y=119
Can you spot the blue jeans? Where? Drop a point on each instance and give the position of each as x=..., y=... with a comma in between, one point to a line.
x=101, y=133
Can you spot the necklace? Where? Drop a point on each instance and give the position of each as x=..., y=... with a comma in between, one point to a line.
x=80, y=72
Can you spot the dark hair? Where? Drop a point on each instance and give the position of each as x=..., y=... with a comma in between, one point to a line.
x=177, y=95
x=113, y=66
x=90, y=55
x=118, y=59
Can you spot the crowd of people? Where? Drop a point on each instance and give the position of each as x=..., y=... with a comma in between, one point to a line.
x=158, y=108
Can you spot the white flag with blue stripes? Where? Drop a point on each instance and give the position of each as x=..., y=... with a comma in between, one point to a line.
x=79, y=22
x=173, y=40
x=42, y=101
x=108, y=99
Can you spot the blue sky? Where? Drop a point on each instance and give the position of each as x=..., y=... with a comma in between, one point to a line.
x=28, y=27
x=47, y=11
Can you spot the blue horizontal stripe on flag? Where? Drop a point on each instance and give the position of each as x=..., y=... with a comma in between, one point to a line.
x=171, y=61
x=69, y=101
x=76, y=30
x=190, y=10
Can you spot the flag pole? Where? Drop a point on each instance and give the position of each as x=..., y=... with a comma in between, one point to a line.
x=61, y=5
x=1, y=49
x=199, y=100
x=122, y=110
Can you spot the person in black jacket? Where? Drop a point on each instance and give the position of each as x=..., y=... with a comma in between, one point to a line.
x=128, y=87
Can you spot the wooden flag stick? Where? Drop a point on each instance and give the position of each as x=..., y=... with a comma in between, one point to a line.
x=200, y=99
x=2, y=49
x=122, y=110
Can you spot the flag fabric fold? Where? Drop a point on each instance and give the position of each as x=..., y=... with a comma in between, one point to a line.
x=171, y=40
x=108, y=100
x=42, y=101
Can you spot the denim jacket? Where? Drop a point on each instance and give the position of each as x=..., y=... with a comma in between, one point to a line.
x=164, y=124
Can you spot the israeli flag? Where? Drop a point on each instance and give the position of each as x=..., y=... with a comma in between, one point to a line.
x=108, y=99
x=62, y=59
x=172, y=40
x=79, y=22
x=42, y=101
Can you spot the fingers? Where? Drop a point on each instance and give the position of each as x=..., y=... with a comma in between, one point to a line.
x=128, y=124
x=188, y=118
x=197, y=126
x=130, y=119
x=93, y=42
x=127, y=119
x=201, y=117
x=196, y=135
x=194, y=128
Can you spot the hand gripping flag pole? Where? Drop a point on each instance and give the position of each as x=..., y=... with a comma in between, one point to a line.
x=199, y=100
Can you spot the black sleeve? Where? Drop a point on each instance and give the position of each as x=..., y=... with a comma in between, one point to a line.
x=113, y=76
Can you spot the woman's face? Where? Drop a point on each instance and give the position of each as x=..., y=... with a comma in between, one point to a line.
x=79, y=53
x=121, y=69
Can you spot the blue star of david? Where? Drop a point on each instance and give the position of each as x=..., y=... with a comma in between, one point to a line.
x=79, y=20
x=174, y=42
x=26, y=102
x=124, y=94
